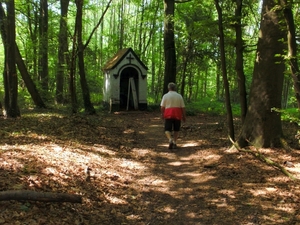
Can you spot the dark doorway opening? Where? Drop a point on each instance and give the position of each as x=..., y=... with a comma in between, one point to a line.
x=127, y=73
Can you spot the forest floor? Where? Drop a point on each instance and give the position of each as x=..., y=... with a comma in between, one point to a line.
x=135, y=178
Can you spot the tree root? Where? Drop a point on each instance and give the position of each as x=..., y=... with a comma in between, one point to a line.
x=262, y=158
x=21, y=195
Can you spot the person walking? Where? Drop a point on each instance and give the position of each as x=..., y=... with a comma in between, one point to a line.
x=172, y=112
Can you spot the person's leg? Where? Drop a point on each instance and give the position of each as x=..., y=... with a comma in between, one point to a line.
x=177, y=124
x=175, y=136
x=168, y=132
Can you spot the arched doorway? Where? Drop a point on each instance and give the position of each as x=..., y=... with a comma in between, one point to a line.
x=126, y=74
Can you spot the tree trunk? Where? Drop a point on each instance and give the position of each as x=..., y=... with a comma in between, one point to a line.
x=224, y=73
x=32, y=15
x=121, y=24
x=3, y=27
x=43, y=45
x=10, y=59
x=37, y=99
x=262, y=126
x=21, y=66
x=72, y=86
x=292, y=46
x=88, y=106
x=186, y=57
x=62, y=52
x=239, y=64
x=169, y=44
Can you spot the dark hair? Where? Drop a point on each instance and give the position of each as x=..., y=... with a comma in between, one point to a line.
x=172, y=86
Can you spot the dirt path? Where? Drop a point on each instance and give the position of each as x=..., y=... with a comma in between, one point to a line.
x=203, y=182
x=136, y=179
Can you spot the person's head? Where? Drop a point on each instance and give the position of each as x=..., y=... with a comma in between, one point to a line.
x=172, y=86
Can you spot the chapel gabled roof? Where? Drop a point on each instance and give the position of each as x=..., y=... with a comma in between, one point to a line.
x=117, y=58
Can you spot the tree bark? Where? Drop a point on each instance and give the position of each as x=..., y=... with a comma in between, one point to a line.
x=292, y=47
x=239, y=64
x=31, y=87
x=224, y=73
x=186, y=57
x=21, y=66
x=169, y=44
x=62, y=52
x=43, y=45
x=10, y=59
x=262, y=126
x=88, y=106
x=27, y=195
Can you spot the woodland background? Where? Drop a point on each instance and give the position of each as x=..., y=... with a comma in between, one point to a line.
x=40, y=26
x=235, y=63
x=214, y=51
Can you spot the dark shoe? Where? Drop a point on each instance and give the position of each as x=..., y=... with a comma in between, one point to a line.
x=171, y=145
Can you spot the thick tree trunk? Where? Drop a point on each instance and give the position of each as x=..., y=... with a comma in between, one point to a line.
x=11, y=70
x=169, y=44
x=262, y=126
x=3, y=28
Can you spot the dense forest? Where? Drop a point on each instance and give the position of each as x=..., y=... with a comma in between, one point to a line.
x=238, y=52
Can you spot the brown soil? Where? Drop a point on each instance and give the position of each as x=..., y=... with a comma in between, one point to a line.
x=136, y=179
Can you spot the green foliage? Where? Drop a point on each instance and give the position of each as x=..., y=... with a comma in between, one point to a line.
x=24, y=99
x=290, y=115
x=96, y=98
x=210, y=106
x=196, y=37
x=206, y=105
x=153, y=108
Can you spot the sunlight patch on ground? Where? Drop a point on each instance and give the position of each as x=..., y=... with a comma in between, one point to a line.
x=229, y=193
x=115, y=200
x=103, y=149
x=221, y=202
x=128, y=131
x=177, y=163
x=212, y=157
x=155, y=125
x=295, y=170
x=265, y=191
x=133, y=217
x=132, y=165
x=140, y=152
x=153, y=181
x=194, y=177
x=10, y=163
x=168, y=209
x=190, y=144
x=258, y=192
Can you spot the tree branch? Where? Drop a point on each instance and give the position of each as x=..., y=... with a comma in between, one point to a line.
x=97, y=25
x=21, y=195
x=262, y=158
